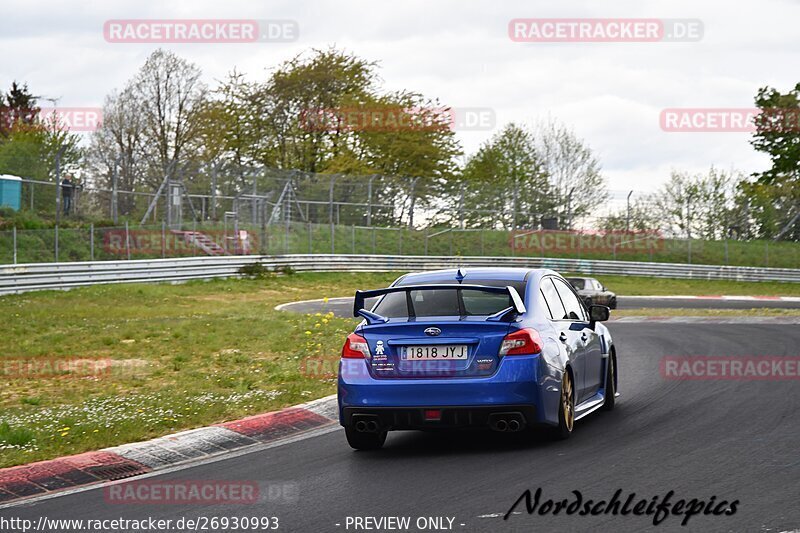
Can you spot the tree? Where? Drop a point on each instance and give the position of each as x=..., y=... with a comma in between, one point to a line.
x=504, y=183
x=169, y=96
x=573, y=172
x=120, y=145
x=305, y=86
x=17, y=107
x=641, y=218
x=306, y=118
x=151, y=128
x=774, y=195
x=697, y=206
x=30, y=142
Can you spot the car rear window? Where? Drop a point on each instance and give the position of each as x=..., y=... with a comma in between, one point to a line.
x=578, y=283
x=445, y=302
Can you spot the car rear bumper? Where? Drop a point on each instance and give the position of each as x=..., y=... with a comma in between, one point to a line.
x=521, y=384
x=391, y=418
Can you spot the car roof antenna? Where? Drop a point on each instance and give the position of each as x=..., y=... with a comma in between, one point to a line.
x=460, y=274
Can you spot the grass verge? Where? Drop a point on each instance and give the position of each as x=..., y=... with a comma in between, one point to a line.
x=106, y=365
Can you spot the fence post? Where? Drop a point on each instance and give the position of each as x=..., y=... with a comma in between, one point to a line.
x=114, y=196
x=163, y=239
x=91, y=241
x=263, y=212
x=330, y=215
x=127, y=241
x=286, y=239
x=15, y=245
x=56, y=242
x=310, y=239
x=194, y=237
x=287, y=235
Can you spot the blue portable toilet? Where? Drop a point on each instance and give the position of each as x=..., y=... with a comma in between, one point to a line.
x=10, y=191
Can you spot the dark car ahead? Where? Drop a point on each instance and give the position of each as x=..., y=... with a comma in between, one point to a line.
x=592, y=291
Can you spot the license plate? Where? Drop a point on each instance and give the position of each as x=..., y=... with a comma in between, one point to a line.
x=440, y=352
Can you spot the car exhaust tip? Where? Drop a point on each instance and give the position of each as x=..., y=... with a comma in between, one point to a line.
x=501, y=425
x=361, y=426
x=372, y=426
x=514, y=425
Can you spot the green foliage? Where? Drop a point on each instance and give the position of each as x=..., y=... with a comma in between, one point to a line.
x=505, y=176
x=15, y=436
x=255, y=271
x=773, y=199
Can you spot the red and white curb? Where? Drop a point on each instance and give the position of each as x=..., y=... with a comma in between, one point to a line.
x=128, y=460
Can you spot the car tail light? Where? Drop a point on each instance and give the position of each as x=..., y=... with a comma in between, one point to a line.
x=355, y=347
x=521, y=342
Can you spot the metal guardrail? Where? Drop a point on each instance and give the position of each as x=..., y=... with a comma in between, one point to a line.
x=40, y=276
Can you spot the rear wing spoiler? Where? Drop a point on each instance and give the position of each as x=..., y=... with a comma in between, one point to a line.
x=358, y=304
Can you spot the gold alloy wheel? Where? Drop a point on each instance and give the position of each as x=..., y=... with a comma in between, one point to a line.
x=566, y=401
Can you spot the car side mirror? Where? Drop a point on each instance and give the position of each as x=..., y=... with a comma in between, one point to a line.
x=599, y=313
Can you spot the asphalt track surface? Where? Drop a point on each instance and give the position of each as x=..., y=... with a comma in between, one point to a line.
x=343, y=307
x=736, y=440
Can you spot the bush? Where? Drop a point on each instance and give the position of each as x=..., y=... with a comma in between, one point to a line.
x=255, y=270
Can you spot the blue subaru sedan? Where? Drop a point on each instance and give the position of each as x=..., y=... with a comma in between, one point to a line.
x=506, y=349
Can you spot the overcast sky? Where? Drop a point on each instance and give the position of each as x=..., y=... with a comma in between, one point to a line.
x=611, y=94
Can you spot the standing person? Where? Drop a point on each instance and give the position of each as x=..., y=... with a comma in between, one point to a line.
x=66, y=193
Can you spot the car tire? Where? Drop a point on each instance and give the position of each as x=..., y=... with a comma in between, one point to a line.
x=364, y=441
x=566, y=409
x=611, y=384
x=613, y=303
